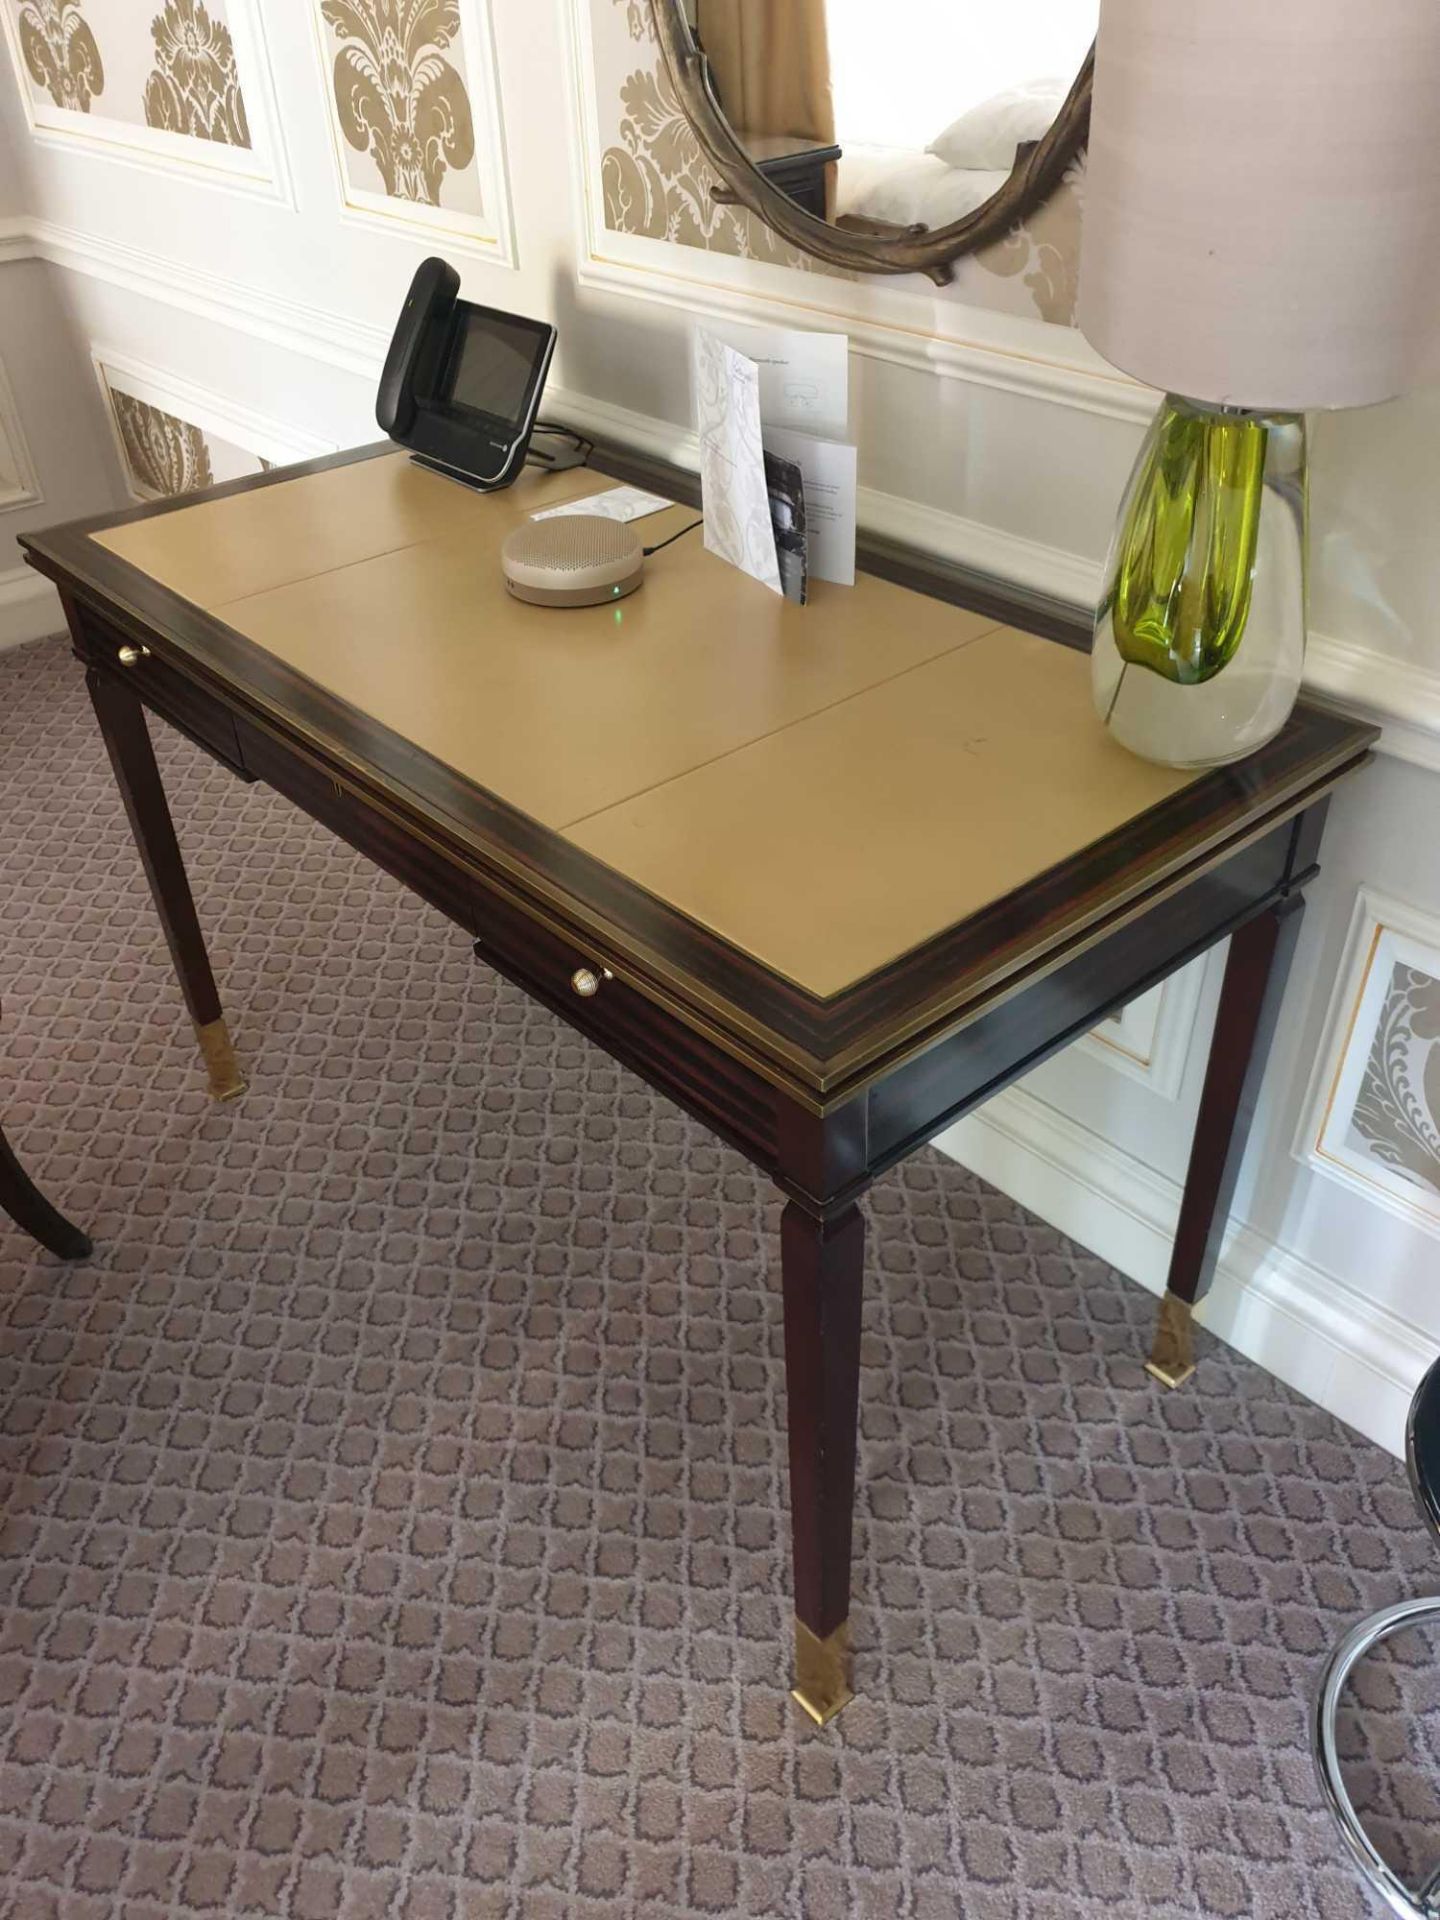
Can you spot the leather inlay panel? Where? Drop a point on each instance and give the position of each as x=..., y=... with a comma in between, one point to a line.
x=947, y=789
x=382, y=583
x=564, y=712
x=706, y=739
x=221, y=550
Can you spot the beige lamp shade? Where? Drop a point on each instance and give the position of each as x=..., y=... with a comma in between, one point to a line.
x=1262, y=198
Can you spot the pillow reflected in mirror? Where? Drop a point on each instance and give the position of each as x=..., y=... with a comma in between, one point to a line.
x=988, y=135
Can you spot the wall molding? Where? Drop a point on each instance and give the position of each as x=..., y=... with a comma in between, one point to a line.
x=1382, y=932
x=19, y=483
x=1350, y=1355
x=16, y=240
x=489, y=237
x=948, y=535
x=29, y=608
x=351, y=346
x=259, y=171
x=1149, y=1042
x=198, y=406
x=1399, y=696
x=978, y=363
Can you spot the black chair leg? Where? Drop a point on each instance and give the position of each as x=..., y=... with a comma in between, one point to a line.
x=28, y=1208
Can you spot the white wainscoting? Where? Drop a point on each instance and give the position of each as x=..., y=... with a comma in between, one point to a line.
x=1149, y=1042
x=1398, y=695
x=29, y=607
x=1383, y=932
x=19, y=485
x=313, y=332
x=215, y=414
x=1344, y=1351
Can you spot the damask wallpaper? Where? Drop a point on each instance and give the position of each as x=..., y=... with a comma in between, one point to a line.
x=656, y=185
x=398, y=77
x=165, y=456
x=1374, y=1110
x=1396, y=1116
x=60, y=54
x=166, y=64
x=654, y=178
x=195, y=87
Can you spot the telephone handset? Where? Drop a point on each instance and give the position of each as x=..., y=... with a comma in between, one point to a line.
x=424, y=324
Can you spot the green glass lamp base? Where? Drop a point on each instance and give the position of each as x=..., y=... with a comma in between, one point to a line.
x=1200, y=636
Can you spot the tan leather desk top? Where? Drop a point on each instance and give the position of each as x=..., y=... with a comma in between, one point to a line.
x=826, y=787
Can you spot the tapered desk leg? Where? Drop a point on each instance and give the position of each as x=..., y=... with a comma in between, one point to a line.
x=29, y=1209
x=127, y=740
x=822, y=1262
x=1255, y=976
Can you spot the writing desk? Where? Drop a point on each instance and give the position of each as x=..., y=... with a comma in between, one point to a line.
x=827, y=877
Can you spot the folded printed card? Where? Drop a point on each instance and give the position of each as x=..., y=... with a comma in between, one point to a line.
x=736, y=496
x=828, y=468
x=616, y=503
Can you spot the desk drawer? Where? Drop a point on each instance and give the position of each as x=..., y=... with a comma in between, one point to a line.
x=737, y=1103
x=196, y=713
x=423, y=866
x=576, y=982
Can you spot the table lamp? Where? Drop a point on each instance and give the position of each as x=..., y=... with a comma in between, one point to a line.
x=1262, y=213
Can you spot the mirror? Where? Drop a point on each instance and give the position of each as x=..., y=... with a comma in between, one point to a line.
x=884, y=138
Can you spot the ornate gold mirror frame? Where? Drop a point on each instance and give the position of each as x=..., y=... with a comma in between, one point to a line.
x=864, y=246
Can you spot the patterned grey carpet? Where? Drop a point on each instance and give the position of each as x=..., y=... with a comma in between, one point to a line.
x=393, y=1508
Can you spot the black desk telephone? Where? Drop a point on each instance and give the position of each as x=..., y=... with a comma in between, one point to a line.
x=462, y=384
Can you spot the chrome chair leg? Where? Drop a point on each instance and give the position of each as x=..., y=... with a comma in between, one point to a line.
x=1424, y=1903
x=1428, y=1892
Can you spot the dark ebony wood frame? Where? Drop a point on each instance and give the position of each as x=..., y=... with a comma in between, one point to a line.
x=33, y=1213
x=822, y=1095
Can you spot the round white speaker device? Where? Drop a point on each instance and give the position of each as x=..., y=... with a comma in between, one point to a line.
x=575, y=560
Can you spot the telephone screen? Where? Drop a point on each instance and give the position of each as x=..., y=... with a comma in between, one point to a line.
x=495, y=362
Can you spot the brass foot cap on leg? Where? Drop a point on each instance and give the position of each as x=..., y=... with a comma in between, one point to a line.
x=227, y=1082
x=1157, y=1372
x=1173, y=1359
x=824, y=1671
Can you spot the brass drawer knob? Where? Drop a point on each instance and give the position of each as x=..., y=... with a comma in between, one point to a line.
x=132, y=656
x=587, y=982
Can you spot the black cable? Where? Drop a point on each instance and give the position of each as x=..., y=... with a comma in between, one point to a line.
x=674, y=537
x=538, y=457
x=576, y=439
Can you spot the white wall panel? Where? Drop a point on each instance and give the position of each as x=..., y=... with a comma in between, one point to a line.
x=53, y=445
x=19, y=482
